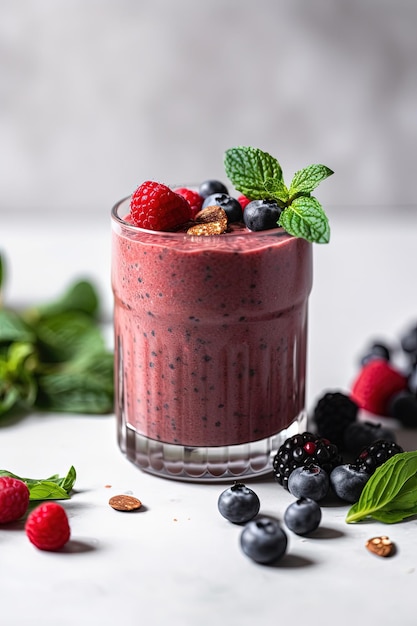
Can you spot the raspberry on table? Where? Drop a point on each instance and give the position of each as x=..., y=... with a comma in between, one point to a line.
x=14, y=499
x=47, y=526
x=157, y=207
x=377, y=382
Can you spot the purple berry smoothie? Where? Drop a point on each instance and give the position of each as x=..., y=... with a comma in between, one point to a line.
x=210, y=341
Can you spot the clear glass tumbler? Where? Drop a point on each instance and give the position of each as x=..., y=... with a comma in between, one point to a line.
x=210, y=347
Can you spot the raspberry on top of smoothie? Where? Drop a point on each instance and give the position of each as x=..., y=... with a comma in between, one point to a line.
x=264, y=202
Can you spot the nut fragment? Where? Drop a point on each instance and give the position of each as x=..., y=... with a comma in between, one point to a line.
x=381, y=546
x=212, y=213
x=125, y=503
x=209, y=221
x=212, y=228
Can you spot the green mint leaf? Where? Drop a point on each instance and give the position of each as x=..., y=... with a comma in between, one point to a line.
x=79, y=297
x=2, y=275
x=251, y=170
x=307, y=179
x=13, y=328
x=52, y=488
x=18, y=387
x=390, y=495
x=63, y=336
x=305, y=218
x=9, y=397
x=84, y=386
x=275, y=188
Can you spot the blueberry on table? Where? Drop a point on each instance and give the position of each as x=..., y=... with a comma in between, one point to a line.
x=231, y=205
x=261, y=215
x=208, y=187
x=263, y=540
x=376, y=350
x=409, y=341
x=238, y=503
x=303, y=516
x=310, y=481
x=412, y=379
x=347, y=481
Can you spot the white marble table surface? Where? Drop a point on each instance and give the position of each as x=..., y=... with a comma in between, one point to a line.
x=177, y=561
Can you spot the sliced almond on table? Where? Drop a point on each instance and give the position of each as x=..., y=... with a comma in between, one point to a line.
x=381, y=546
x=125, y=503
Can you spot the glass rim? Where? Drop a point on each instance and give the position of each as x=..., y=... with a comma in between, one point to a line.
x=178, y=235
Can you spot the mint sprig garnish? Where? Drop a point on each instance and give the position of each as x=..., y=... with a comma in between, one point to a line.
x=258, y=175
x=390, y=494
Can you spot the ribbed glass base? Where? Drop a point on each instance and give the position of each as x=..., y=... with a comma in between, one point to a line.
x=223, y=463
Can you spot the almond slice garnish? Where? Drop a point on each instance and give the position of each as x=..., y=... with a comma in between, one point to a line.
x=213, y=213
x=210, y=228
x=209, y=221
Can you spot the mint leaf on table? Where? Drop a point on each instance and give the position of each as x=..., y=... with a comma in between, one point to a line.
x=81, y=296
x=17, y=380
x=53, y=356
x=2, y=275
x=14, y=328
x=52, y=488
x=73, y=390
x=258, y=175
x=390, y=495
x=63, y=336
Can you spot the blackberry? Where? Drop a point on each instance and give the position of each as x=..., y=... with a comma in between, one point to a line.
x=303, y=450
x=333, y=413
x=361, y=434
x=376, y=454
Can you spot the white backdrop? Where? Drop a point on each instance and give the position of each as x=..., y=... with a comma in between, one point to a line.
x=98, y=95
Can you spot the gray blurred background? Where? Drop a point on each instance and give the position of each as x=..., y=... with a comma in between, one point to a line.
x=98, y=95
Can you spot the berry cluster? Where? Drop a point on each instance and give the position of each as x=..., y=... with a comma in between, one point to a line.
x=335, y=417
x=155, y=206
x=46, y=526
x=263, y=539
x=301, y=451
x=310, y=467
x=381, y=387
